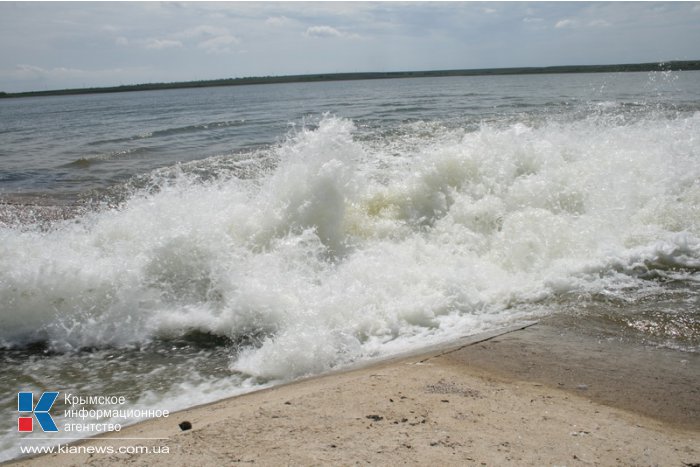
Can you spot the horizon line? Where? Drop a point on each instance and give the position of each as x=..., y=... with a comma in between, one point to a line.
x=673, y=65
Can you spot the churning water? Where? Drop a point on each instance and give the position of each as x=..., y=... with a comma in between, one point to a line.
x=223, y=239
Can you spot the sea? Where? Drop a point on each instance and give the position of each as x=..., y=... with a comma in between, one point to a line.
x=175, y=247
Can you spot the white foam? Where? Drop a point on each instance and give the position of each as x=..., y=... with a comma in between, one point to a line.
x=350, y=250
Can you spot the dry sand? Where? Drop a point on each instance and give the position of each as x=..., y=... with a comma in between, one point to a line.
x=538, y=396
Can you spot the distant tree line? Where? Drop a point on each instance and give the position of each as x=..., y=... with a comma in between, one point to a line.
x=664, y=66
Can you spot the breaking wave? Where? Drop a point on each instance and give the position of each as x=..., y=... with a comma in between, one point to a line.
x=347, y=248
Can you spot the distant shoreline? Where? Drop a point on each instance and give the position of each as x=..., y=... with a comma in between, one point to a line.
x=632, y=67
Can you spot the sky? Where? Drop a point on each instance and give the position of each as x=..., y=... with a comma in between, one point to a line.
x=55, y=45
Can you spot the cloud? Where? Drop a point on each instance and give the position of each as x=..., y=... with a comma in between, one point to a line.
x=212, y=39
x=160, y=44
x=277, y=21
x=150, y=44
x=24, y=70
x=322, y=31
x=29, y=71
x=203, y=30
x=572, y=23
x=532, y=20
x=489, y=11
x=219, y=44
x=328, y=31
x=599, y=23
x=32, y=72
x=565, y=23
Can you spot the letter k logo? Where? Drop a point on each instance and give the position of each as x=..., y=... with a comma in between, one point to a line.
x=25, y=403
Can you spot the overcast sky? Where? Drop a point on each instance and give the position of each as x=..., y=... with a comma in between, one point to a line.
x=62, y=45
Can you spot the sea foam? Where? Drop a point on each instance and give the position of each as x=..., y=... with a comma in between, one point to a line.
x=352, y=248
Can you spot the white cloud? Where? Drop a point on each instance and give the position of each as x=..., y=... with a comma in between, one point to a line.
x=322, y=31
x=150, y=44
x=489, y=11
x=219, y=44
x=565, y=23
x=572, y=23
x=213, y=39
x=532, y=20
x=277, y=21
x=599, y=23
x=25, y=71
x=328, y=31
x=159, y=44
x=31, y=71
x=203, y=30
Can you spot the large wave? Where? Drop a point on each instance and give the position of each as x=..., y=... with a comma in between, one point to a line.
x=356, y=247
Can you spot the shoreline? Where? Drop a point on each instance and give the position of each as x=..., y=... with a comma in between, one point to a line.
x=672, y=65
x=541, y=394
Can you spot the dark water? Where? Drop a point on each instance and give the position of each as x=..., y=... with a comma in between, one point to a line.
x=180, y=246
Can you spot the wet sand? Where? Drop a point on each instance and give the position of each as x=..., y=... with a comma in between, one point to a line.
x=543, y=395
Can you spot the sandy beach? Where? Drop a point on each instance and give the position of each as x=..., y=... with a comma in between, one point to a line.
x=541, y=395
